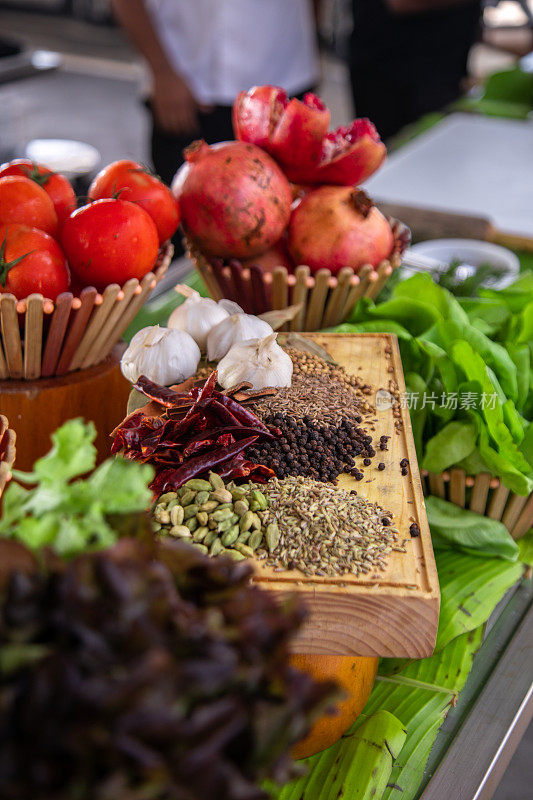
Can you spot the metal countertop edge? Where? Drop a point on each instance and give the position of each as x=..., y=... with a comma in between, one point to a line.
x=480, y=752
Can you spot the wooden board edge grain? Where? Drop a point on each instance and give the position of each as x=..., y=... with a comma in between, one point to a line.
x=364, y=624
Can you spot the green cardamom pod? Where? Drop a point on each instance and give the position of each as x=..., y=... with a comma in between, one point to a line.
x=260, y=498
x=230, y=536
x=181, y=531
x=187, y=497
x=201, y=498
x=165, y=498
x=235, y=555
x=246, y=521
x=272, y=536
x=201, y=547
x=255, y=540
x=241, y=507
x=209, y=506
x=256, y=522
x=210, y=538
x=202, y=517
x=200, y=534
x=191, y=523
x=177, y=515
x=221, y=513
x=216, y=481
x=222, y=495
x=244, y=549
x=190, y=511
x=216, y=548
x=228, y=523
x=199, y=485
x=238, y=493
x=244, y=536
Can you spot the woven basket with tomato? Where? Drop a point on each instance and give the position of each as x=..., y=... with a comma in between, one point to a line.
x=72, y=279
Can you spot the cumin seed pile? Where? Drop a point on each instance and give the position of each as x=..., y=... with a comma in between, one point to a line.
x=321, y=391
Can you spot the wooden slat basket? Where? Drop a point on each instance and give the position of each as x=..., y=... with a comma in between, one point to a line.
x=483, y=494
x=42, y=339
x=7, y=452
x=325, y=299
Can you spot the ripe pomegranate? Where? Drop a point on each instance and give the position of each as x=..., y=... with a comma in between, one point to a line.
x=296, y=134
x=235, y=200
x=290, y=130
x=276, y=256
x=338, y=226
x=350, y=155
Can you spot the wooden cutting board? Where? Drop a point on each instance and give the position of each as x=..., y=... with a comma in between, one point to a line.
x=392, y=613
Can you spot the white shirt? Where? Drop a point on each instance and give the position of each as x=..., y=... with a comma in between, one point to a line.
x=221, y=47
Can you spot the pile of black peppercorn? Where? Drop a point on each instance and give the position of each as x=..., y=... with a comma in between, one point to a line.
x=309, y=449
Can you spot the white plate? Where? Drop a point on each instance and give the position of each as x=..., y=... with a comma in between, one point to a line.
x=66, y=156
x=469, y=252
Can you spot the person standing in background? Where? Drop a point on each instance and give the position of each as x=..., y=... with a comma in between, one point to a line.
x=201, y=53
x=409, y=57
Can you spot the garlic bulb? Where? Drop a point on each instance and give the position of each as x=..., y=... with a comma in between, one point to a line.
x=197, y=315
x=261, y=362
x=165, y=356
x=230, y=306
x=234, y=329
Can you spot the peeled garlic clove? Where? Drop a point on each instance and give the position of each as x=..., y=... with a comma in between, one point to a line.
x=261, y=362
x=197, y=315
x=234, y=329
x=165, y=356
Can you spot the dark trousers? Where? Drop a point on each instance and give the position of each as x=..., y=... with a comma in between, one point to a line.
x=404, y=66
x=167, y=148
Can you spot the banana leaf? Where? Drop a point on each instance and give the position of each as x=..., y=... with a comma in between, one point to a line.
x=471, y=587
x=421, y=693
x=417, y=693
x=357, y=767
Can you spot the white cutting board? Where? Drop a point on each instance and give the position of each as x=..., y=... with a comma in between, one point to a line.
x=469, y=165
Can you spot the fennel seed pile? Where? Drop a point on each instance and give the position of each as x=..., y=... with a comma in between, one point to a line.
x=326, y=531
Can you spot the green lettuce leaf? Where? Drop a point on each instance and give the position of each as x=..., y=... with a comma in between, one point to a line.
x=450, y=445
x=455, y=527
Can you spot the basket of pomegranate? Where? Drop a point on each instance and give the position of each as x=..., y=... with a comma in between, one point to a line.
x=72, y=279
x=276, y=218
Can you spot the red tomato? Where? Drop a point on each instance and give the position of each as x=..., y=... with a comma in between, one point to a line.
x=21, y=200
x=109, y=241
x=56, y=186
x=130, y=181
x=31, y=261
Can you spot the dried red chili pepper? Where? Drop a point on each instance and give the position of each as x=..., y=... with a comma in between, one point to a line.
x=166, y=397
x=244, y=416
x=170, y=479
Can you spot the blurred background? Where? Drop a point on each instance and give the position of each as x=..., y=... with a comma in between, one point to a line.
x=67, y=70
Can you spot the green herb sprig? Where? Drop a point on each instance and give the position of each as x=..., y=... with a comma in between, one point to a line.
x=69, y=513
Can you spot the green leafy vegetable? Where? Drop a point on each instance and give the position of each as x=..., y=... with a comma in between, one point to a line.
x=73, y=516
x=451, y=444
x=525, y=546
x=469, y=362
x=456, y=527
